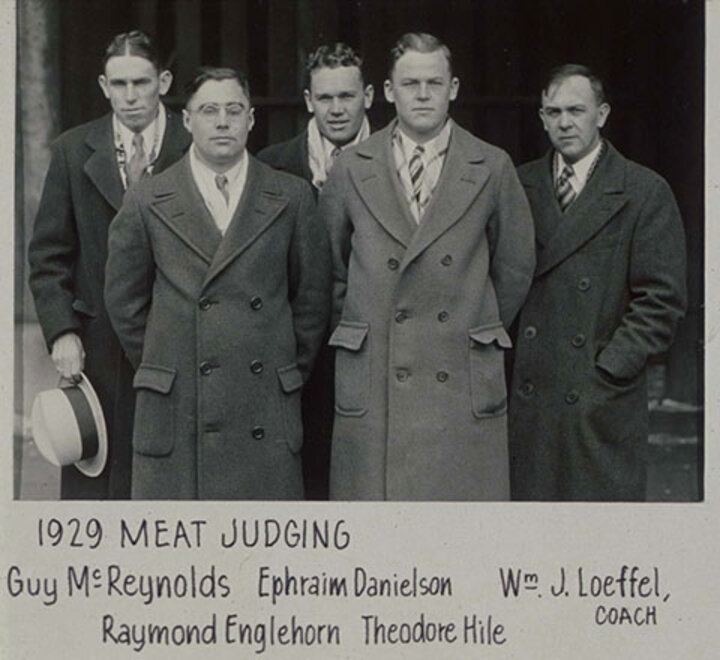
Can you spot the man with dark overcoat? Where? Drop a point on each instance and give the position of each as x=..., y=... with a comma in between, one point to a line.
x=337, y=98
x=218, y=288
x=432, y=248
x=608, y=291
x=90, y=168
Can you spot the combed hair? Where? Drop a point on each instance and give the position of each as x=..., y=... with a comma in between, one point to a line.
x=422, y=42
x=332, y=57
x=135, y=43
x=205, y=73
x=564, y=71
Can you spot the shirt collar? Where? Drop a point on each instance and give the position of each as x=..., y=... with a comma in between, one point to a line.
x=432, y=148
x=329, y=147
x=207, y=174
x=581, y=168
x=152, y=134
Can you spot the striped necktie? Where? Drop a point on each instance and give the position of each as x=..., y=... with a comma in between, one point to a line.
x=564, y=192
x=417, y=174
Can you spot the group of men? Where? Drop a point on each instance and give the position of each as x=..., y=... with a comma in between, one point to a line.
x=333, y=317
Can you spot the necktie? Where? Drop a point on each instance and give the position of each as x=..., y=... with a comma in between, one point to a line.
x=564, y=191
x=137, y=165
x=417, y=175
x=222, y=185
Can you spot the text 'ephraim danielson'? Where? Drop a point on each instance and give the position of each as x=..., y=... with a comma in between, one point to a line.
x=292, y=533
x=361, y=583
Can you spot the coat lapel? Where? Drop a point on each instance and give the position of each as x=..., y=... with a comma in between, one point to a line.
x=375, y=178
x=261, y=203
x=101, y=166
x=178, y=203
x=463, y=176
x=603, y=197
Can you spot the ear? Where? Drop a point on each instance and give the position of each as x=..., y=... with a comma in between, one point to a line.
x=603, y=114
x=166, y=79
x=369, y=94
x=389, y=92
x=251, y=119
x=186, y=120
x=308, y=101
x=454, y=88
x=103, y=82
x=542, y=118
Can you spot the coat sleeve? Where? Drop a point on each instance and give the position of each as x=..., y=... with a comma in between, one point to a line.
x=656, y=281
x=340, y=228
x=511, y=235
x=129, y=277
x=309, y=281
x=53, y=251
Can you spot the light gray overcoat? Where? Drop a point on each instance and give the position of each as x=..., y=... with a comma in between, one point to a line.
x=222, y=331
x=421, y=313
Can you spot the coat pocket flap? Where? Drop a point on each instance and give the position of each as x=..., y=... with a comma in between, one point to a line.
x=290, y=377
x=154, y=377
x=81, y=307
x=350, y=335
x=488, y=334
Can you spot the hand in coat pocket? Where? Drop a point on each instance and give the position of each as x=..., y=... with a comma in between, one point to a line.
x=488, y=390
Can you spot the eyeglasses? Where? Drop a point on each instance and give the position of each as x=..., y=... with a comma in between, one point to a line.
x=212, y=111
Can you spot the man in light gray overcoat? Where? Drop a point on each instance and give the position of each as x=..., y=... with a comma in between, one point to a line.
x=218, y=286
x=432, y=246
x=609, y=289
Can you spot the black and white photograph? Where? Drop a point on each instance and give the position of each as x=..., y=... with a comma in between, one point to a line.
x=355, y=328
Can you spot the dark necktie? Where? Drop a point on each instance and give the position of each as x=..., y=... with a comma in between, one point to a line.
x=564, y=191
x=137, y=165
x=222, y=185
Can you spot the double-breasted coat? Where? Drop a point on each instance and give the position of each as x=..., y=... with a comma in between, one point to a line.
x=608, y=291
x=82, y=193
x=222, y=330
x=421, y=314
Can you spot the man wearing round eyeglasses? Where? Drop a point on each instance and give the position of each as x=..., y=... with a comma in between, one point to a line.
x=220, y=297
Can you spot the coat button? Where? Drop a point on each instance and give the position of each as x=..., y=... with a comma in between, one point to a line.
x=256, y=303
x=256, y=366
x=583, y=283
x=204, y=304
x=443, y=316
x=446, y=260
x=206, y=368
x=442, y=376
x=527, y=388
x=572, y=397
x=401, y=317
x=258, y=432
x=530, y=332
x=393, y=264
x=402, y=375
x=578, y=341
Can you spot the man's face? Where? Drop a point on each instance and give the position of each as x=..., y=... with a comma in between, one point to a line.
x=572, y=117
x=134, y=86
x=421, y=88
x=219, y=117
x=338, y=100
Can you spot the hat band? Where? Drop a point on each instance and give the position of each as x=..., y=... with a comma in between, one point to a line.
x=85, y=421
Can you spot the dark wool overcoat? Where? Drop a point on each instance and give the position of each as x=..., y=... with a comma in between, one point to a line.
x=222, y=330
x=608, y=291
x=318, y=393
x=83, y=191
x=290, y=156
x=420, y=393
